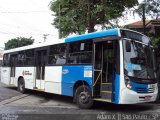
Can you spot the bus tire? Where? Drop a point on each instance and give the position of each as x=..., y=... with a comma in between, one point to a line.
x=157, y=99
x=84, y=97
x=21, y=85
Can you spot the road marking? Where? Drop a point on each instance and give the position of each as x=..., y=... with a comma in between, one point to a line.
x=7, y=101
x=33, y=101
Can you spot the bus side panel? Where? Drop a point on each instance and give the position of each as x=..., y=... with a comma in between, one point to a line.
x=0, y=72
x=5, y=75
x=117, y=88
x=53, y=78
x=71, y=74
x=28, y=74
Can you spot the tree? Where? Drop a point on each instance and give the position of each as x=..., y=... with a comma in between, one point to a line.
x=18, y=42
x=151, y=7
x=148, y=8
x=77, y=16
x=156, y=44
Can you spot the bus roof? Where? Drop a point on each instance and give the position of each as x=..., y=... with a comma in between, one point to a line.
x=37, y=45
x=110, y=32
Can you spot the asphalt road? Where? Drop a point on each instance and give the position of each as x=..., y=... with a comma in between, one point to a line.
x=7, y=92
x=42, y=106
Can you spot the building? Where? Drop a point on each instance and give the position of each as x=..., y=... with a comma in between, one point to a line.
x=152, y=27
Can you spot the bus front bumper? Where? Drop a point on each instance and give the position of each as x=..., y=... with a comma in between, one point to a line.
x=131, y=97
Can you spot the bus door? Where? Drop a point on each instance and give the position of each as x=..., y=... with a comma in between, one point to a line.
x=41, y=56
x=104, y=72
x=97, y=69
x=13, y=62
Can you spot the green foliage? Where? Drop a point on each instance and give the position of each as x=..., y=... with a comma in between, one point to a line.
x=18, y=42
x=152, y=8
x=77, y=16
x=155, y=42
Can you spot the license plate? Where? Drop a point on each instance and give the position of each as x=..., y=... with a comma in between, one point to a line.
x=147, y=98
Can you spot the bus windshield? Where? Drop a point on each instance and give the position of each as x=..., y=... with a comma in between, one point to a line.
x=138, y=60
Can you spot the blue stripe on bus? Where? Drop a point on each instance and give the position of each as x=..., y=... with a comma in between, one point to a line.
x=117, y=88
x=71, y=74
x=140, y=88
x=110, y=32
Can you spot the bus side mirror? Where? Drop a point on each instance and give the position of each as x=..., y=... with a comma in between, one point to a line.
x=128, y=46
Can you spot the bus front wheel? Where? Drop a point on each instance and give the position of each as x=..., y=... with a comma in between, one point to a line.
x=84, y=97
x=21, y=85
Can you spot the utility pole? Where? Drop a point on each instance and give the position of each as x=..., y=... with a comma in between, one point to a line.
x=45, y=37
x=144, y=16
x=89, y=15
x=59, y=21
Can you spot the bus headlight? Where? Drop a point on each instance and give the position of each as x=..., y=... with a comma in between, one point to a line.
x=127, y=82
x=129, y=86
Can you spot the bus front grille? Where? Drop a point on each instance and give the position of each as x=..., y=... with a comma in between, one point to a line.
x=144, y=90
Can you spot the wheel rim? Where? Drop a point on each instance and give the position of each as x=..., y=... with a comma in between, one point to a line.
x=84, y=97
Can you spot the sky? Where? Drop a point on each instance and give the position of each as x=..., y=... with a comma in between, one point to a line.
x=26, y=18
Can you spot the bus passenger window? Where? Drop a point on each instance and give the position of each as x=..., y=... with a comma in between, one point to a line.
x=6, y=60
x=60, y=59
x=21, y=58
x=57, y=54
x=29, y=57
x=80, y=52
x=72, y=59
x=51, y=60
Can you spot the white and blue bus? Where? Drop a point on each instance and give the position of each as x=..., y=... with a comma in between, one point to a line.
x=1, y=62
x=115, y=66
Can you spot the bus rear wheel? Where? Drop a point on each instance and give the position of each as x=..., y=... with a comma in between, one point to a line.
x=21, y=85
x=84, y=97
